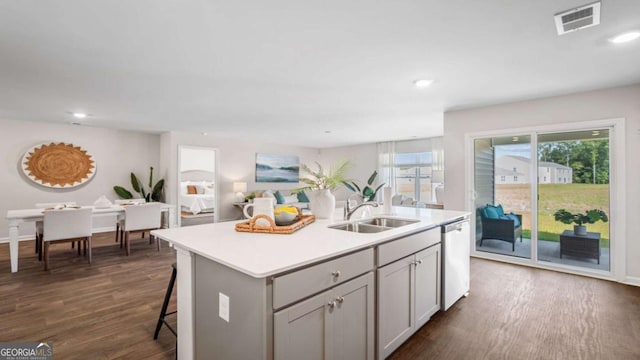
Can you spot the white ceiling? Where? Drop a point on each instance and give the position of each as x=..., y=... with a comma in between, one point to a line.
x=286, y=71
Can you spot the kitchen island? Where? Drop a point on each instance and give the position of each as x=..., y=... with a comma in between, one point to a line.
x=236, y=290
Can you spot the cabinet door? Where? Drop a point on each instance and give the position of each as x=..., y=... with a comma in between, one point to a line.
x=300, y=331
x=395, y=305
x=351, y=320
x=427, y=284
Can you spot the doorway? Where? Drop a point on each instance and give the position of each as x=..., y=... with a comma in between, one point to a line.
x=198, y=185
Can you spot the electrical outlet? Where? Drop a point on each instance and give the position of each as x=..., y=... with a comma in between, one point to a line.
x=223, y=308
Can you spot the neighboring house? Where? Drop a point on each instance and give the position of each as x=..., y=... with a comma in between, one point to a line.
x=513, y=169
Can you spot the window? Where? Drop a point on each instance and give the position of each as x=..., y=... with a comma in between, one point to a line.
x=413, y=168
x=413, y=175
x=503, y=178
x=515, y=178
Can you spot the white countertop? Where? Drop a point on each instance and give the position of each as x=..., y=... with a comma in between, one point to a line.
x=262, y=255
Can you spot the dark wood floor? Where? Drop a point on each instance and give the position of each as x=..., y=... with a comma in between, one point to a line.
x=108, y=310
x=516, y=312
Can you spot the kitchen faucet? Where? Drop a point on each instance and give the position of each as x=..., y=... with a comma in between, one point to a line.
x=348, y=211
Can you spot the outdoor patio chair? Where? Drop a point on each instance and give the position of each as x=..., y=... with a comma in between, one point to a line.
x=497, y=225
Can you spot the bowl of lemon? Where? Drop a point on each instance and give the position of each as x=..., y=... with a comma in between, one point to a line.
x=286, y=215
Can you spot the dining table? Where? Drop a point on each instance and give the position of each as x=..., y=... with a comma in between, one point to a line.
x=17, y=217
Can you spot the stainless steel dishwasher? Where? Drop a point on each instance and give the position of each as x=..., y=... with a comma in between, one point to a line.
x=456, y=264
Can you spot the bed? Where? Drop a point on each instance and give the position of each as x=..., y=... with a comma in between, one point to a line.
x=197, y=197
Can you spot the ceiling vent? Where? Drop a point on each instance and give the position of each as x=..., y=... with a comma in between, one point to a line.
x=578, y=18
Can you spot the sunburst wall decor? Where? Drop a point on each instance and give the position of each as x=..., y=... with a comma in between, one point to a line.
x=58, y=165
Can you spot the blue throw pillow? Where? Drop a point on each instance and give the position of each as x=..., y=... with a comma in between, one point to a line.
x=279, y=197
x=490, y=212
x=498, y=209
x=514, y=217
x=302, y=197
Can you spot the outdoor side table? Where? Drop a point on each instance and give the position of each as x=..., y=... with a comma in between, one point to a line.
x=584, y=246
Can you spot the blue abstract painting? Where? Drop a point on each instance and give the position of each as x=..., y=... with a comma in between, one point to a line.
x=277, y=168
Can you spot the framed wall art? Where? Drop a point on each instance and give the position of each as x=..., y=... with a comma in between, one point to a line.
x=277, y=168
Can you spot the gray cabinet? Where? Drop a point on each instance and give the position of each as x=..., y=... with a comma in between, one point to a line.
x=427, y=284
x=335, y=324
x=408, y=294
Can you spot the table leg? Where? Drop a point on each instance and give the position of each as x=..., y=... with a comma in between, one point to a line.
x=13, y=245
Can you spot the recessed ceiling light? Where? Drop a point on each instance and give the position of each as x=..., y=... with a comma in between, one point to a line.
x=327, y=131
x=626, y=37
x=422, y=83
x=204, y=133
x=79, y=115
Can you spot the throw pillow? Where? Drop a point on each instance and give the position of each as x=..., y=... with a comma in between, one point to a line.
x=498, y=209
x=291, y=199
x=192, y=190
x=514, y=217
x=302, y=197
x=279, y=197
x=490, y=212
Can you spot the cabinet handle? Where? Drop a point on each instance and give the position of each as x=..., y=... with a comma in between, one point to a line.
x=336, y=273
x=340, y=299
x=332, y=304
x=418, y=262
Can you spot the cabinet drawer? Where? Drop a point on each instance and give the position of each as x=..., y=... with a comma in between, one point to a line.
x=297, y=285
x=408, y=245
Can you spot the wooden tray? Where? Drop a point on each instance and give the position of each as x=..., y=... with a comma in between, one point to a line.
x=250, y=226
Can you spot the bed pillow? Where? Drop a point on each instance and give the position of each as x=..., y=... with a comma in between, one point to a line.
x=279, y=197
x=192, y=190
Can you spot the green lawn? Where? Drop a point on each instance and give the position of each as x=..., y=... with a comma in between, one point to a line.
x=572, y=197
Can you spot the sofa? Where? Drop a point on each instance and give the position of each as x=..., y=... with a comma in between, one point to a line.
x=284, y=197
x=496, y=225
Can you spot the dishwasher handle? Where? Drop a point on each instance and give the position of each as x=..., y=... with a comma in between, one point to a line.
x=457, y=226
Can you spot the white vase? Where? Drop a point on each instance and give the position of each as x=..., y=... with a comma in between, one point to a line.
x=323, y=203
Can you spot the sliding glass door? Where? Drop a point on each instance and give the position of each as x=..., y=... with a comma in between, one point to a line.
x=573, y=187
x=502, y=188
x=545, y=197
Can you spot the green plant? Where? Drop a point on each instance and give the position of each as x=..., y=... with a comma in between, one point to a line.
x=318, y=180
x=155, y=192
x=250, y=196
x=588, y=217
x=367, y=192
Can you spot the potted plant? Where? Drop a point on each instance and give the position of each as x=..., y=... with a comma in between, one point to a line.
x=587, y=217
x=367, y=192
x=323, y=202
x=155, y=191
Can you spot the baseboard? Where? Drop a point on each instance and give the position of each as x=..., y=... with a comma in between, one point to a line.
x=632, y=280
x=5, y=239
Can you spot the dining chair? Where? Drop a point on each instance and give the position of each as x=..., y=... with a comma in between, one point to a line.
x=39, y=224
x=120, y=218
x=67, y=226
x=139, y=219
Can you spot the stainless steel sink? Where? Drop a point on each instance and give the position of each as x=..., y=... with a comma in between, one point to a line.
x=360, y=228
x=374, y=225
x=388, y=222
